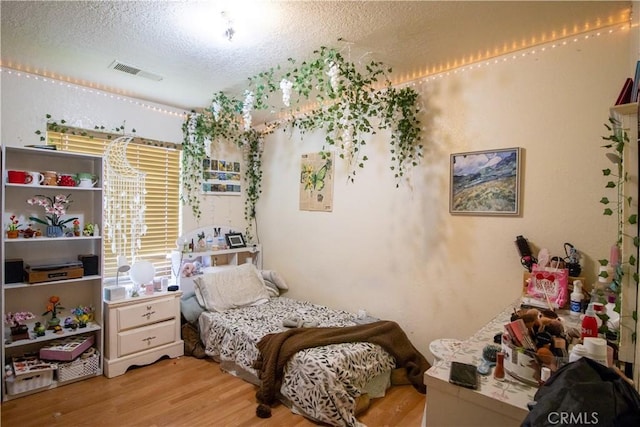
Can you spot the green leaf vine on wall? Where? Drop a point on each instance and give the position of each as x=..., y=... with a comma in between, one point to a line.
x=347, y=100
x=618, y=140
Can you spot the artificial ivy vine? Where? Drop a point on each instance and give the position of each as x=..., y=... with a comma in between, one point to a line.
x=351, y=101
x=618, y=141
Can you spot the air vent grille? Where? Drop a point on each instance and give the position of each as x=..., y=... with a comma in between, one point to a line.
x=130, y=69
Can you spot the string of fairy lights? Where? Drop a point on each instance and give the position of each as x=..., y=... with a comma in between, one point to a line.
x=72, y=84
x=436, y=73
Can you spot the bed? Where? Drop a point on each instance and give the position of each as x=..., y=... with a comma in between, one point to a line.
x=240, y=308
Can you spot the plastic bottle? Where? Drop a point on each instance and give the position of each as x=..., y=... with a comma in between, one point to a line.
x=589, y=324
x=576, y=298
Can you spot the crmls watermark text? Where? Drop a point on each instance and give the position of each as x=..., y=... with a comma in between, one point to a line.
x=573, y=418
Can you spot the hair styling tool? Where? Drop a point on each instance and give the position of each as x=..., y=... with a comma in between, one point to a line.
x=526, y=257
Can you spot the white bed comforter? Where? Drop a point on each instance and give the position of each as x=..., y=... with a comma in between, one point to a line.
x=321, y=383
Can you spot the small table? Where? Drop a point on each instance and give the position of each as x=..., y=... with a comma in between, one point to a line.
x=495, y=403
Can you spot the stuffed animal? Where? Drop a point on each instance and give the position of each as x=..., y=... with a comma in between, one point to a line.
x=191, y=269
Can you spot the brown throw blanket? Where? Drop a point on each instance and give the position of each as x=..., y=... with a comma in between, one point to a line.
x=276, y=349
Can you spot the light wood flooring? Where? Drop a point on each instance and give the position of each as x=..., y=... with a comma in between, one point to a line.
x=182, y=392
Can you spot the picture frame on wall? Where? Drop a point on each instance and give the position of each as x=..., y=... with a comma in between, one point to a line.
x=221, y=177
x=235, y=240
x=486, y=182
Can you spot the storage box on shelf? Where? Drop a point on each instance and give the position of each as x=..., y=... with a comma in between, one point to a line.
x=28, y=374
x=22, y=290
x=86, y=365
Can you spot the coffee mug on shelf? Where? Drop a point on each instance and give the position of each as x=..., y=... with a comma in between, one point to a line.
x=66, y=180
x=36, y=178
x=50, y=178
x=17, y=177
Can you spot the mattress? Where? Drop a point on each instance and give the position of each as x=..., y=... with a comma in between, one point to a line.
x=321, y=383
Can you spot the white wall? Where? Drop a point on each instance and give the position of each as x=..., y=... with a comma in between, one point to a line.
x=398, y=253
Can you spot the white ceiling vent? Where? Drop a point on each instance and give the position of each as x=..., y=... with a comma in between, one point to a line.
x=130, y=69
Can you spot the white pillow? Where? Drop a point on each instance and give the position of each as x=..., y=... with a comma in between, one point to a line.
x=231, y=288
x=274, y=277
x=272, y=288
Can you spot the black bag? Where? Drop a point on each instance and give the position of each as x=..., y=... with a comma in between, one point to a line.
x=585, y=393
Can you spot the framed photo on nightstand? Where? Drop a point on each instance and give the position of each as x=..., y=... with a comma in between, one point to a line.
x=235, y=240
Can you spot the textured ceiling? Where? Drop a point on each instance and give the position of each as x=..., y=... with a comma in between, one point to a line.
x=78, y=40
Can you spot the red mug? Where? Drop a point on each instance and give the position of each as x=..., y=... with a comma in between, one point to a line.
x=18, y=177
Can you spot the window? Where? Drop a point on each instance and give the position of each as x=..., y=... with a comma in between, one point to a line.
x=161, y=162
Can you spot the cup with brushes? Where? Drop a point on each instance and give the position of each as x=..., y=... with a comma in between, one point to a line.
x=541, y=342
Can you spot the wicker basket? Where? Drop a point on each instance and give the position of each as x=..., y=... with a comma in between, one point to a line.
x=79, y=368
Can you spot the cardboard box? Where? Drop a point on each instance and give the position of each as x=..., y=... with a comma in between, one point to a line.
x=66, y=349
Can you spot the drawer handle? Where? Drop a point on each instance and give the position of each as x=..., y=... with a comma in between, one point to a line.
x=149, y=314
x=149, y=307
x=148, y=340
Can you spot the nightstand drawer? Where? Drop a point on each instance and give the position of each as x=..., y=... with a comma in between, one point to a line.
x=146, y=337
x=145, y=313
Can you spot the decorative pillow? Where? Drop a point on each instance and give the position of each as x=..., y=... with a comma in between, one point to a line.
x=231, y=288
x=274, y=277
x=272, y=288
x=190, y=307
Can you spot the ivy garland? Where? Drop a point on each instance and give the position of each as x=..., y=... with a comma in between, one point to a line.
x=348, y=100
x=618, y=141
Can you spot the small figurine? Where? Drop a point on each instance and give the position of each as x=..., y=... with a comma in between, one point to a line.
x=39, y=329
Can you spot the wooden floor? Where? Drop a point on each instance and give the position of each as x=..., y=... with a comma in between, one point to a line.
x=182, y=392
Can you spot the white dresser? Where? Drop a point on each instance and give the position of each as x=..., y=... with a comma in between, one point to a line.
x=141, y=330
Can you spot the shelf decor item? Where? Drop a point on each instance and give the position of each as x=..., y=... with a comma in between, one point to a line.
x=55, y=208
x=19, y=331
x=53, y=307
x=83, y=315
x=13, y=229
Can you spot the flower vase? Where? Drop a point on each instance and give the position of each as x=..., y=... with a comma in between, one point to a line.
x=53, y=322
x=12, y=234
x=20, y=332
x=54, y=231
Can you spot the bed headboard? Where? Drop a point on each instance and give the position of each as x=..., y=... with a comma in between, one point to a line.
x=209, y=252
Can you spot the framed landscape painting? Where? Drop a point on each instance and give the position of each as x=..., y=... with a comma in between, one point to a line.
x=486, y=182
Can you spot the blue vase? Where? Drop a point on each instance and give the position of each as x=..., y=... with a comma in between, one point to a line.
x=54, y=231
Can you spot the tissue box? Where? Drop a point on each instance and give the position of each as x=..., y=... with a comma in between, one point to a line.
x=114, y=293
x=66, y=349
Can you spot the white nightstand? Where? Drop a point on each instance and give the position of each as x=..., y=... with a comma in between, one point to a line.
x=141, y=330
